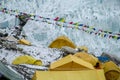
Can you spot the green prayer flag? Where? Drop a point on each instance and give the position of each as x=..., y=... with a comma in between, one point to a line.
x=61, y=20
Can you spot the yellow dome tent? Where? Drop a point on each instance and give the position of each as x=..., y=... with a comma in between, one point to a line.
x=118, y=78
x=25, y=42
x=69, y=75
x=87, y=57
x=70, y=68
x=62, y=41
x=112, y=71
x=69, y=63
x=25, y=59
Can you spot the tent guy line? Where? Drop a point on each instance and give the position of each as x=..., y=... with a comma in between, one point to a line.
x=56, y=19
x=61, y=22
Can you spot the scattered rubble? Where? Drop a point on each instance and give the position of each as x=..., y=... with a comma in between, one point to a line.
x=10, y=43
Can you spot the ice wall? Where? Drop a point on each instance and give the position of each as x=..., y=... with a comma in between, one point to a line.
x=101, y=14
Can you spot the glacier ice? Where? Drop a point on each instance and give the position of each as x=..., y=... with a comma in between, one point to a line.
x=101, y=14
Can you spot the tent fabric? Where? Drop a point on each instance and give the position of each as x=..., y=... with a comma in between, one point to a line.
x=69, y=63
x=25, y=42
x=112, y=71
x=25, y=59
x=4, y=70
x=69, y=75
x=118, y=78
x=87, y=57
x=62, y=41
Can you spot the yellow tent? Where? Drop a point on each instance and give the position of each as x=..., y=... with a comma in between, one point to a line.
x=69, y=75
x=118, y=78
x=62, y=41
x=84, y=48
x=69, y=63
x=87, y=57
x=25, y=59
x=112, y=71
x=25, y=42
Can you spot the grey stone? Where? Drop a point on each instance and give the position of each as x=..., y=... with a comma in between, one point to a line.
x=68, y=50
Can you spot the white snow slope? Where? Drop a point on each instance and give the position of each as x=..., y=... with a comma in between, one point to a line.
x=101, y=14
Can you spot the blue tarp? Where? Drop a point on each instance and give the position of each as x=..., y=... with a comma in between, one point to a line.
x=103, y=58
